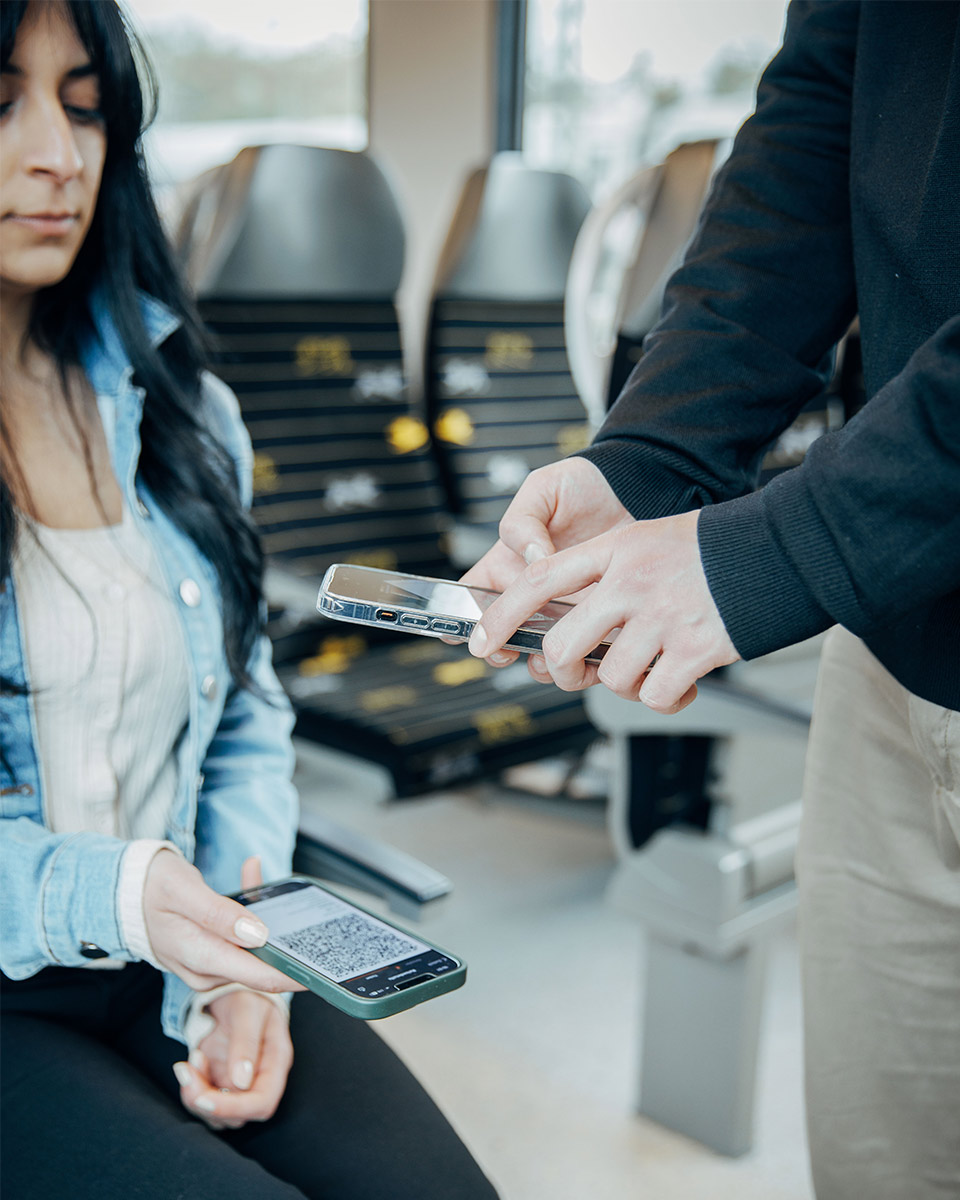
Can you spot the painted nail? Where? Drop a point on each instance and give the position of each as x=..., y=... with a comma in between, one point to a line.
x=500, y=659
x=533, y=553
x=242, y=1074
x=250, y=931
x=205, y=1103
x=183, y=1073
x=478, y=641
x=198, y=1060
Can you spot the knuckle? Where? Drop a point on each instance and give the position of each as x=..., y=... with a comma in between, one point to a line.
x=537, y=574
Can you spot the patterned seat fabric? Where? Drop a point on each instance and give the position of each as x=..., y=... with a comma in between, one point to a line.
x=342, y=468
x=343, y=472
x=501, y=400
x=428, y=712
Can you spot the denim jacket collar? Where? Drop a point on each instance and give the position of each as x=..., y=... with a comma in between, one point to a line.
x=105, y=360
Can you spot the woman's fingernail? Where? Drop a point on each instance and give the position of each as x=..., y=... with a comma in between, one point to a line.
x=205, y=1103
x=478, y=641
x=242, y=1074
x=533, y=553
x=197, y=1060
x=183, y=1073
x=250, y=931
x=499, y=659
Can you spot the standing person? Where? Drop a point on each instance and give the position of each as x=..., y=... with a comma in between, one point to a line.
x=841, y=196
x=145, y=754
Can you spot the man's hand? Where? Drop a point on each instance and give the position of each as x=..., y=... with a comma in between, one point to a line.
x=197, y=933
x=650, y=597
x=557, y=506
x=239, y=1071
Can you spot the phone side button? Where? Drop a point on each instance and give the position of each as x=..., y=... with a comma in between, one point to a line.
x=453, y=627
x=413, y=622
x=409, y=983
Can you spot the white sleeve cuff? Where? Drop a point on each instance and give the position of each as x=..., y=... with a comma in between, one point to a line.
x=199, y=1023
x=134, y=865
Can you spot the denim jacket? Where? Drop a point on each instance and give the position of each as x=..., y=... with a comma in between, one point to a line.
x=234, y=796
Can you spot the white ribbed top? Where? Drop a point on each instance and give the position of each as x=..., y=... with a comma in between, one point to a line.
x=107, y=666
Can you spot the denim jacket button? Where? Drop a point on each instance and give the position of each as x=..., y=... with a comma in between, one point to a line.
x=208, y=688
x=92, y=950
x=190, y=593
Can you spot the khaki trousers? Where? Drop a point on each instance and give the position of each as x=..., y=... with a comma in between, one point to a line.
x=878, y=870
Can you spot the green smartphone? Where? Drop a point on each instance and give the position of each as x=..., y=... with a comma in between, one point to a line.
x=359, y=963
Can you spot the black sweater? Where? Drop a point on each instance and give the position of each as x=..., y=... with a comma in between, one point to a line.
x=842, y=195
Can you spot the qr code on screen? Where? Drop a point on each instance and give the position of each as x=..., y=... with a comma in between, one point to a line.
x=347, y=946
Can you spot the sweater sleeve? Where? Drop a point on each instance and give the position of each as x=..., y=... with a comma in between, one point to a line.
x=765, y=291
x=865, y=530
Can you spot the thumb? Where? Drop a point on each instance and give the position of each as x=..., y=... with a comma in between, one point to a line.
x=524, y=525
x=250, y=1015
x=251, y=874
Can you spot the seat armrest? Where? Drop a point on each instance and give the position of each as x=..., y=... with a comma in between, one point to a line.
x=331, y=851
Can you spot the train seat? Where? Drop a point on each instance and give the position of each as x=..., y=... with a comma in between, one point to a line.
x=500, y=397
x=296, y=254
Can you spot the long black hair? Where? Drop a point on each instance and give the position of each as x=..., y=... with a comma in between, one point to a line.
x=125, y=252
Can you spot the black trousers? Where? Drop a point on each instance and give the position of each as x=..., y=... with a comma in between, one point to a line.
x=90, y=1107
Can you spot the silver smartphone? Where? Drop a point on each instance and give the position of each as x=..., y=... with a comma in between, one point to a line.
x=431, y=607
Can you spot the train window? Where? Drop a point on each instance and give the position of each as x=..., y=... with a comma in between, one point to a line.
x=613, y=84
x=234, y=75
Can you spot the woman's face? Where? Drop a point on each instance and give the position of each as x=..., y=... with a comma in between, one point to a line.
x=52, y=147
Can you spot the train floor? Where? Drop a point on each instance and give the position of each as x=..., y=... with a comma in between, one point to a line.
x=534, y=1060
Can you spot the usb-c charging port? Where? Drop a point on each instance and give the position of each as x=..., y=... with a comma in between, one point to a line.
x=386, y=614
x=409, y=983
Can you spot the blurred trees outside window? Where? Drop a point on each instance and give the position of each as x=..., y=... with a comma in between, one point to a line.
x=234, y=74
x=612, y=85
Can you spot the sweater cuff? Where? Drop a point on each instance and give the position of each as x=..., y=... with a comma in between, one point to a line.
x=762, y=601
x=645, y=487
x=134, y=865
x=200, y=1024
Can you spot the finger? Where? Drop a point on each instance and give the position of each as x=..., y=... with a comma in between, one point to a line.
x=670, y=686
x=196, y=1094
x=251, y=875
x=249, y=1018
x=538, y=669
x=568, y=643
x=208, y=961
x=561, y=574
x=259, y=1103
x=629, y=660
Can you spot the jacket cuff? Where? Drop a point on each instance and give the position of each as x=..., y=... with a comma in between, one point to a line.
x=134, y=865
x=762, y=600
x=78, y=901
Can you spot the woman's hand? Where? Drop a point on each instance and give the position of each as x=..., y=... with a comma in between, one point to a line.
x=239, y=1071
x=197, y=933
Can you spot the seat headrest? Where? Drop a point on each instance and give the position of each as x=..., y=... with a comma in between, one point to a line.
x=513, y=233
x=286, y=221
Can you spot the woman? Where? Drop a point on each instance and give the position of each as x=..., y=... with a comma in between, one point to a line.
x=142, y=726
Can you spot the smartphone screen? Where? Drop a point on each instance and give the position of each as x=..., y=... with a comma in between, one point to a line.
x=344, y=944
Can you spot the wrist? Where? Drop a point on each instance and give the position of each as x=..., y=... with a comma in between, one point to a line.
x=134, y=868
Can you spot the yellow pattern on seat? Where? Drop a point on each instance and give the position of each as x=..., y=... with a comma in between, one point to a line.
x=323, y=356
